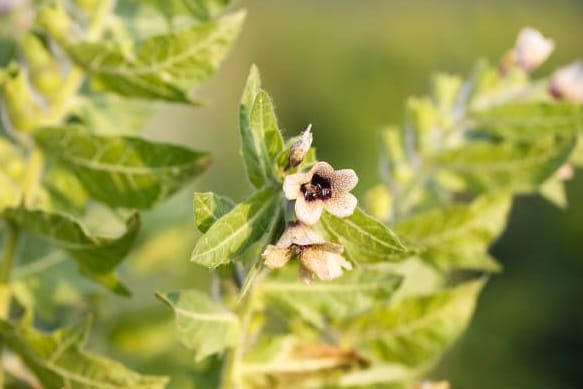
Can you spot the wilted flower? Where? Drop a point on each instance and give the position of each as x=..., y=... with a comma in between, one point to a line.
x=321, y=187
x=567, y=82
x=300, y=147
x=316, y=255
x=530, y=51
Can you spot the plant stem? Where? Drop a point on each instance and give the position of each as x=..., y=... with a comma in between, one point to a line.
x=6, y=266
x=231, y=364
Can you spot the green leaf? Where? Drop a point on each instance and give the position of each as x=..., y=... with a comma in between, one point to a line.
x=96, y=256
x=458, y=236
x=111, y=114
x=163, y=67
x=377, y=376
x=348, y=296
x=260, y=135
x=417, y=330
x=19, y=102
x=533, y=120
x=58, y=360
x=202, y=324
x=122, y=171
x=208, y=208
x=12, y=173
x=486, y=166
x=233, y=233
x=365, y=238
x=205, y=9
x=554, y=191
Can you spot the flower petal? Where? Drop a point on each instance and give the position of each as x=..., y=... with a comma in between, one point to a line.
x=308, y=212
x=306, y=275
x=293, y=182
x=341, y=204
x=299, y=234
x=276, y=257
x=344, y=180
x=323, y=169
x=326, y=265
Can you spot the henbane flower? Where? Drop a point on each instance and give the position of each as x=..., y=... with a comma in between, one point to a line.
x=529, y=52
x=321, y=188
x=567, y=82
x=316, y=255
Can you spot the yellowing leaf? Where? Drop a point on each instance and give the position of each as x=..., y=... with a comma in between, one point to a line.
x=122, y=171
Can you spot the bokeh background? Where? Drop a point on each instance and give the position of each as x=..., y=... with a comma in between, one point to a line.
x=346, y=67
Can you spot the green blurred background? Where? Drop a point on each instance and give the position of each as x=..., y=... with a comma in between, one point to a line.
x=346, y=67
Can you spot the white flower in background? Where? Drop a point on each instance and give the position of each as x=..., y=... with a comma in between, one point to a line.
x=300, y=148
x=567, y=82
x=530, y=51
x=532, y=48
x=321, y=188
x=316, y=255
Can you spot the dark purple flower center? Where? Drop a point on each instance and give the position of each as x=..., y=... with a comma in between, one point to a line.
x=318, y=188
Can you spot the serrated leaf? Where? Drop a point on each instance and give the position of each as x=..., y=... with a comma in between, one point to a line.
x=484, y=166
x=233, y=233
x=202, y=324
x=163, y=67
x=417, y=330
x=260, y=136
x=533, y=120
x=348, y=296
x=111, y=114
x=208, y=208
x=365, y=238
x=458, y=236
x=96, y=256
x=58, y=360
x=122, y=171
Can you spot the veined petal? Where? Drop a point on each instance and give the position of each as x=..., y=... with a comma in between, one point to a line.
x=344, y=180
x=299, y=234
x=308, y=212
x=276, y=257
x=341, y=204
x=323, y=169
x=326, y=265
x=292, y=184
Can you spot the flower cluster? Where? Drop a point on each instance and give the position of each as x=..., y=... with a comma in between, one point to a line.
x=531, y=50
x=321, y=188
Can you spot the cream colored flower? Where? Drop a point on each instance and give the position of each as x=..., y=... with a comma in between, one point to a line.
x=300, y=147
x=530, y=50
x=321, y=188
x=316, y=255
x=567, y=82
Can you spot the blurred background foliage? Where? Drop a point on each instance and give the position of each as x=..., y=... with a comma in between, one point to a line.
x=347, y=67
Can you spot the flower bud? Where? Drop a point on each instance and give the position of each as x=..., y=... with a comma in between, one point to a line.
x=567, y=82
x=300, y=148
x=532, y=49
